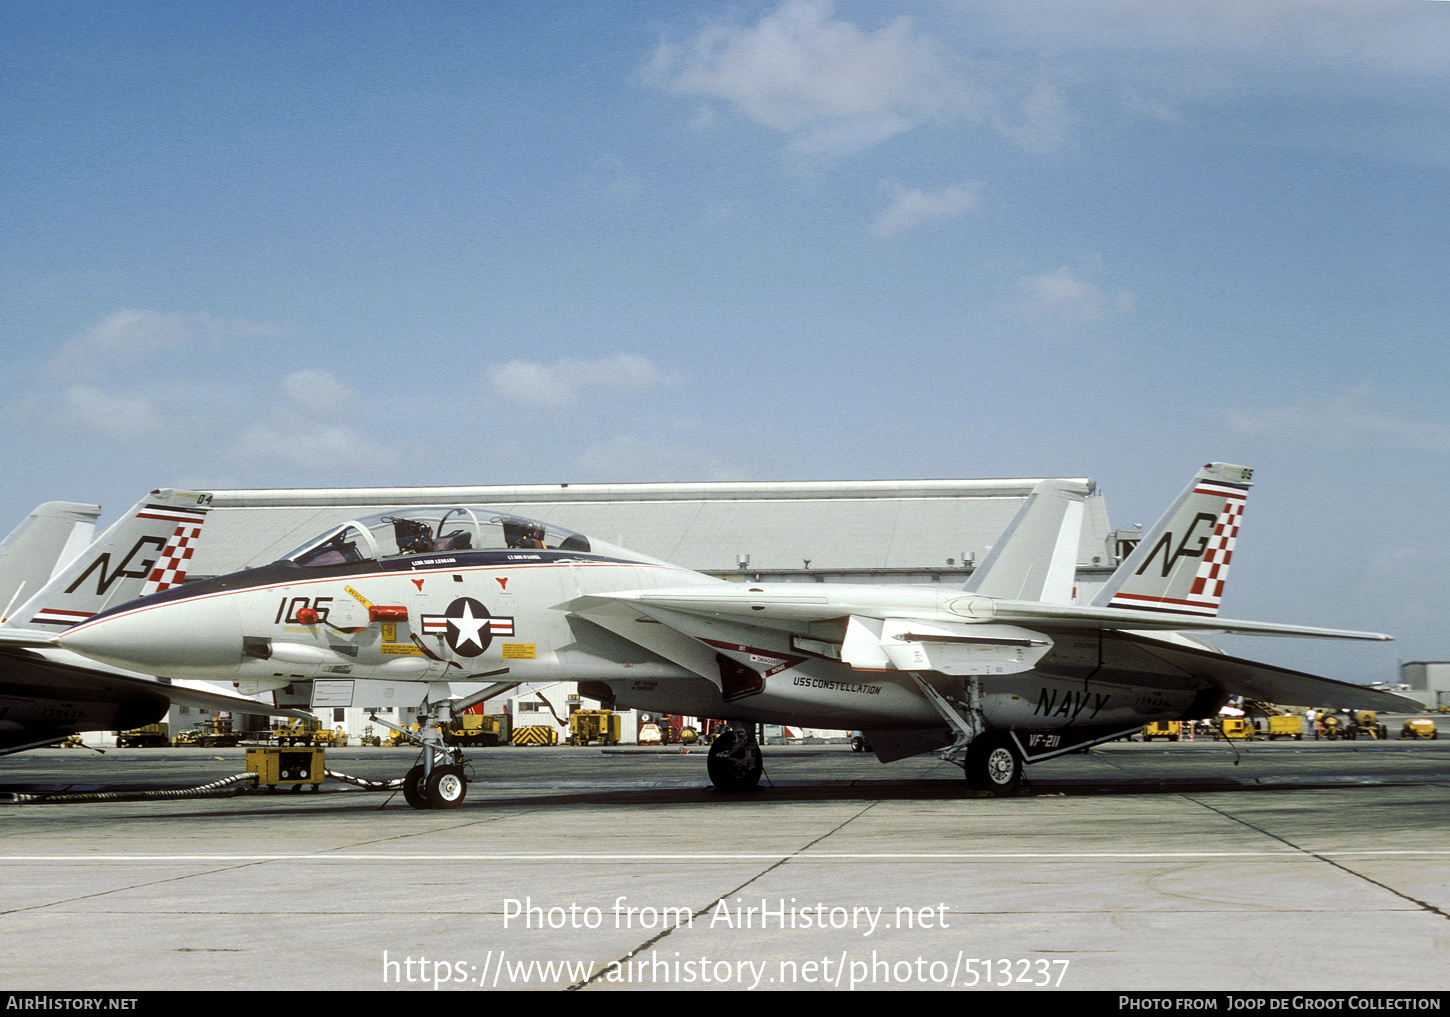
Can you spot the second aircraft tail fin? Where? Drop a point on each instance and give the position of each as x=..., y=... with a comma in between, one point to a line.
x=48, y=539
x=1035, y=558
x=146, y=550
x=1181, y=564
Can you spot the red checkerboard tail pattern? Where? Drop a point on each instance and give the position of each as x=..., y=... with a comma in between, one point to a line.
x=174, y=559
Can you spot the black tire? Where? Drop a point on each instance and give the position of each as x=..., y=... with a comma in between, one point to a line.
x=413, y=788
x=735, y=763
x=993, y=764
x=446, y=787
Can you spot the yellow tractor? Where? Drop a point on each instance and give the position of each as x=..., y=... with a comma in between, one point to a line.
x=477, y=729
x=1419, y=728
x=587, y=726
x=150, y=736
x=1170, y=729
x=1366, y=724
x=214, y=733
x=535, y=734
x=1333, y=727
x=1286, y=726
x=1233, y=729
x=302, y=731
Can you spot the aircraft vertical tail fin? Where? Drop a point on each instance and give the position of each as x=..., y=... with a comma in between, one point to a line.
x=44, y=542
x=1181, y=564
x=146, y=550
x=1036, y=557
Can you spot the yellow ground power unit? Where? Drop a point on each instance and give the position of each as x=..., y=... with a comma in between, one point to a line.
x=295, y=765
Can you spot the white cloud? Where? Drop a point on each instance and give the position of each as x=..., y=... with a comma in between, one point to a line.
x=1039, y=71
x=129, y=335
x=303, y=429
x=1063, y=299
x=832, y=86
x=1408, y=37
x=317, y=390
x=568, y=380
x=1343, y=422
x=910, y=208
x=1039, y=121
x=125, y=417
x=297, y=441
x=1095, y=62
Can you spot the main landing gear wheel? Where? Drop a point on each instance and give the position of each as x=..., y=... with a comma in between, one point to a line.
x=446, y=787
x=993, y=764
x=735, y=763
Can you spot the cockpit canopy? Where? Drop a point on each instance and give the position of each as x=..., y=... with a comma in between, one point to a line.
x=440, y=530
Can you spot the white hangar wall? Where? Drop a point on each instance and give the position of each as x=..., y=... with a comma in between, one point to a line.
x=861, y=531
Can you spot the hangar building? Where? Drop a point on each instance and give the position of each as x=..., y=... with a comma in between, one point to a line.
x=1428, y=681
x=863, y=531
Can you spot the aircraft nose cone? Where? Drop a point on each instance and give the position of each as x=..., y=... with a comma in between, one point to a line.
x=181, y=639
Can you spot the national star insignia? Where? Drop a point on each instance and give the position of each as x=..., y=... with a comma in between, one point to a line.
x=467, y=628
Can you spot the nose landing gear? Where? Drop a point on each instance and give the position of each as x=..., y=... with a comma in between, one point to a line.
x=430, y=785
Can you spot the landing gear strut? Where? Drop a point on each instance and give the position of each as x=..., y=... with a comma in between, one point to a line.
x=989, y=758
x=432, y=784
x=735, y=763
x=993, y=764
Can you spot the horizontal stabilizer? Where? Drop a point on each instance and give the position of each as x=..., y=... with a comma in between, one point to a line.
x=1047, y=616
x=25, y=637
x=781, y=604
x=1276, y=684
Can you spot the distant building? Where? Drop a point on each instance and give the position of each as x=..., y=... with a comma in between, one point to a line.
x=910, y=531
x=1428, y=681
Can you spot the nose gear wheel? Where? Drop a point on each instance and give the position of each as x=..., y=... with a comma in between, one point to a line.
x=445, y=788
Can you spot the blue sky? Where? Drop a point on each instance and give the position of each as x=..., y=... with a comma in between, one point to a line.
x=327, y=244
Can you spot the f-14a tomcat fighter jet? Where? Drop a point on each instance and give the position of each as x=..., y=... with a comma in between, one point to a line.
x=1004, y=671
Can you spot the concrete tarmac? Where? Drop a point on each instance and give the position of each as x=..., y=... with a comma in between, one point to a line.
x=1282, y=866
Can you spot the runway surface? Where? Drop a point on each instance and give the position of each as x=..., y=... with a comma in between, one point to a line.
x=1283, y=866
